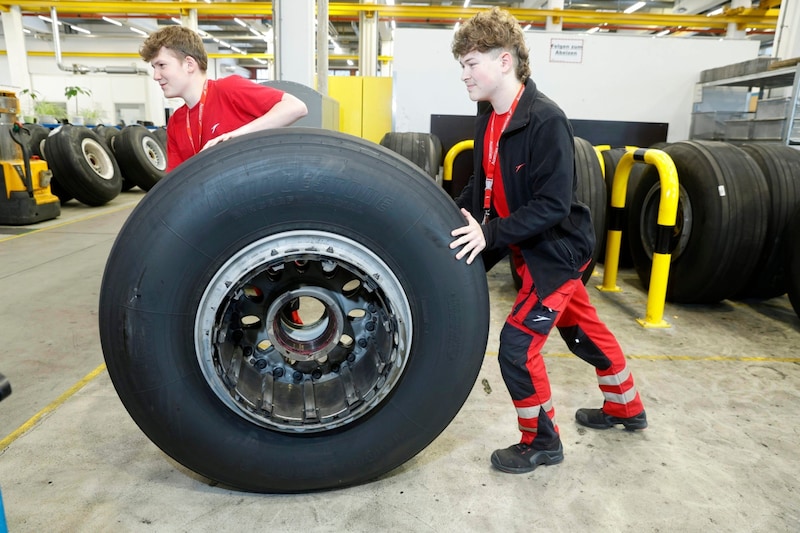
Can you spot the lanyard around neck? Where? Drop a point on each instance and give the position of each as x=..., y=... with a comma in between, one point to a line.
x=494, y=146
x=199, y=120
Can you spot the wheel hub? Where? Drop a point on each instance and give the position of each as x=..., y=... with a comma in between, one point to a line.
x=303, y=331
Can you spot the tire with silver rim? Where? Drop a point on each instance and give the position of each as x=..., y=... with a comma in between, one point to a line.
x=82, y=165
x=284, y=314
x=141, y=156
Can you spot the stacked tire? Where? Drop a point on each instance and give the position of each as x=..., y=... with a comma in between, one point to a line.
x=734, y=228
x=82, y=165
x=94, y=166
x=422, y=149
x=141, y=155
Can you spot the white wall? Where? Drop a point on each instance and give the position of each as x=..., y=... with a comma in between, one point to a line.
x=625, y=78
x=107, y=89
x=628, y=78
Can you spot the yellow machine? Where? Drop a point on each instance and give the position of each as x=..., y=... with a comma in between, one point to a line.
x=25, y=196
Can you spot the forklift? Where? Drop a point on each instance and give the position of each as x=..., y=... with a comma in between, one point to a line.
x=25, y=195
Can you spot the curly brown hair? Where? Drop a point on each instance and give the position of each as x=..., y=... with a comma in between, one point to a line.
x=491, y=30
x=180, y=40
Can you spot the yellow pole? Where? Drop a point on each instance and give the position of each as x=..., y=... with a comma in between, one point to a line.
x=450, y=157
x=667, y=214
x=616, y=220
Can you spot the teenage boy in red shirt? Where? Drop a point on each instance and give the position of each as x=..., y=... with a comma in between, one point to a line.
x=215, y=110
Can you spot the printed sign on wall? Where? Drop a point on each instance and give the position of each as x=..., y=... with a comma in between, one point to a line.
x=566, y=50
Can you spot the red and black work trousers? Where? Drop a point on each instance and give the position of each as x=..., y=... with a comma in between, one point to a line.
x=522, y=365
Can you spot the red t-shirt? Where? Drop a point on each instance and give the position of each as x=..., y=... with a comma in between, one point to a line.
x=499, y=201
x=498, y=190
x=230, y=103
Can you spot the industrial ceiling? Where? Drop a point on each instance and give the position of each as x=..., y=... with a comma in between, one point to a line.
x=242, y=29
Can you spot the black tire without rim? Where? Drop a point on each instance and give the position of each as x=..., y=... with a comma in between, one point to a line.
x=422, y=149
x=792, y=260
x=195, y=323
x=721, y=221
x=592, y=192
x=780, y=165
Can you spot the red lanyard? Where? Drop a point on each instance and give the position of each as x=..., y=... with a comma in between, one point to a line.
x=494, y=146
x=199, y=119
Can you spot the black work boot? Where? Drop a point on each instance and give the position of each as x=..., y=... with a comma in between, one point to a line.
x=522, y=458
x=597, y=419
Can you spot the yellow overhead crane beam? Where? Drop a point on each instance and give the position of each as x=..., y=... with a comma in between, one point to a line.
x=764, y=19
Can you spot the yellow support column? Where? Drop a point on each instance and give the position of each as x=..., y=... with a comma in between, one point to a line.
x=348, y=91
x=376, y=109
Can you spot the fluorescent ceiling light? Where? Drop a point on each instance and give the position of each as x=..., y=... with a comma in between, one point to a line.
x=635, y=7
x=240, y=22
x=717, y=11
x=137, y=30
x=112, y=21
x=662, y=33
x=48, y=19
x=594, y=30
x=79, y=29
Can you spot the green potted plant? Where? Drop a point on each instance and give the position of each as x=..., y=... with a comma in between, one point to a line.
x=73, y=91
x=91, y=115
x=49, y=112
x=29, y=108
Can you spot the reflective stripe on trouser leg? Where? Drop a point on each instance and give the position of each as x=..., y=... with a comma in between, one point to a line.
x=524, y=373
x=590, y=339
x=522, y=366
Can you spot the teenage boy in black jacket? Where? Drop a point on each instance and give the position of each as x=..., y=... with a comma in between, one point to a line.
x=521, y=199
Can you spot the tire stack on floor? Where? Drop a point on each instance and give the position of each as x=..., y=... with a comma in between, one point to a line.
x=736, y=233
x=94, y=165
x=422, y=149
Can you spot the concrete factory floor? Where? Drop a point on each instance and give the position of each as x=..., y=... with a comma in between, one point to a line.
x=721, y=387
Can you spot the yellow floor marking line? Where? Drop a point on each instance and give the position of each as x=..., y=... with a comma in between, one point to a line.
x=68, y=222
x=750, y=359
x=50, y=408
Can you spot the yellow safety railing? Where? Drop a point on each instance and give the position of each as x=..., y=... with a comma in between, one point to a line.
x=667, y=213
x=450, y=157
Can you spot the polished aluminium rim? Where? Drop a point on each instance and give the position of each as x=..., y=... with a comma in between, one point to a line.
x=303, y=331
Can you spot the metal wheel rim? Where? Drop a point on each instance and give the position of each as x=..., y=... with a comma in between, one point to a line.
x=327, y=372
x=154, y=153
x=98, y=158
x=648, y=223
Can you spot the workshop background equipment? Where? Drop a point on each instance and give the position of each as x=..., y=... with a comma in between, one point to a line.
x=25, y=195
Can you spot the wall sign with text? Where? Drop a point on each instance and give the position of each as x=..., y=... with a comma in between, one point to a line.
x=566, y=50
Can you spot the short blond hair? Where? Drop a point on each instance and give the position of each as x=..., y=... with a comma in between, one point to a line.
x=491, y=30
x=180, y=40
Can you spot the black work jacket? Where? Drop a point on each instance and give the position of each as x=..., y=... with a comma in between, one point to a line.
x=536, y=156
